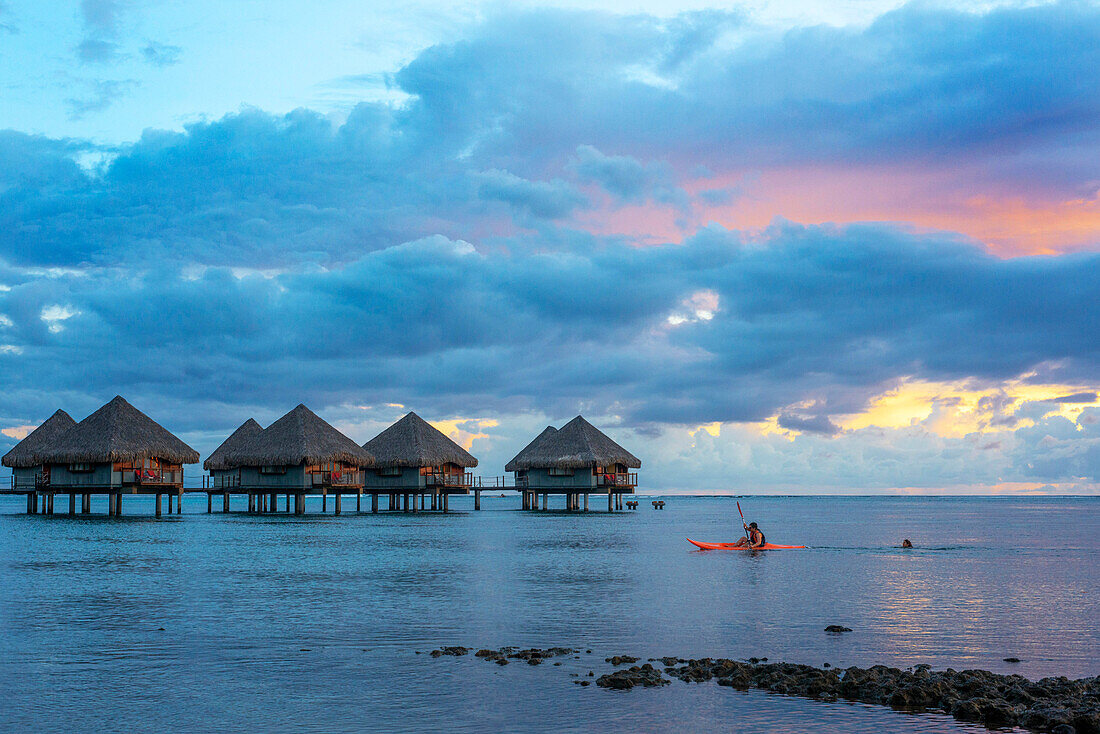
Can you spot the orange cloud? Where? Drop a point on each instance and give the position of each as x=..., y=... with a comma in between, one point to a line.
x=1009, y=225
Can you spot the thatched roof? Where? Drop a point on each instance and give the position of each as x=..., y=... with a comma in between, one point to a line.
x=520, y=459
x=222, y=458
x=28, y=452
x=578, y=444
x=412, y=441
x=300, y=437
x=118, y=432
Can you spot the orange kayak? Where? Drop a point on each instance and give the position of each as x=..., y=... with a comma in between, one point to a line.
x=734, y=546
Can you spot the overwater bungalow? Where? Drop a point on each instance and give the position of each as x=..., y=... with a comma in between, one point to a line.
x=25, y=459
x=298, y=455
x=415, y=461
x=575, y=461
x=117, y=450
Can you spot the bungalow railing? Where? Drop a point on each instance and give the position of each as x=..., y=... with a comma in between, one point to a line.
x=466, y=479
x=348, y=478
x=152, y=477
x=27, y=484
x=228, y=481
x=625, y=479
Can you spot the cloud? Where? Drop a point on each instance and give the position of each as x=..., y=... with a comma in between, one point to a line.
x=544, y=199
x=1080, y=397
x=808, y=424
x=101, y=22
x=6, y=25
x=161, y=54
x=98, y=51
x=830, y=315
x=103, y=93
x=979, y=95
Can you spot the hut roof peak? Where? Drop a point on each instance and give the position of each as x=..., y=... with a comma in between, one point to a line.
x=119, y=432
x=413, y=442
x=223, y=456
x=575, y=445
x=28, y=452
x=300, y=436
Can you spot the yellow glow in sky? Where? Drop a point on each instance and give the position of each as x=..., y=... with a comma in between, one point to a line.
x=955, y=409
x=461, y=436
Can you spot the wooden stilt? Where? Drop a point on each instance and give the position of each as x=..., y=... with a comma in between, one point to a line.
x=51, y=503
x=477, y=499
x=324, y=501
x=225, y=501
x=169, y=503
x=72, y=503
x=586, y=501
x=32, y=503
x=337, y=503
x=209, y=503
x=118, y=505
x=156, y=512
x=179, y=503
x=86, y=504
x=610, y=499
x=446, y=502
x=359, y=501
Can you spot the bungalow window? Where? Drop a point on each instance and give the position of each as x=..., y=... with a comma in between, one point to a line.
x=389, y=471
x=272, y=470
x=555, y=472
x=80, y=468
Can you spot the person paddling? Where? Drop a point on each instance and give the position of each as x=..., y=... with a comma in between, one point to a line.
x=754, y=539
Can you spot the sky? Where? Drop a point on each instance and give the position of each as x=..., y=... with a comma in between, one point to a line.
x=769, y=247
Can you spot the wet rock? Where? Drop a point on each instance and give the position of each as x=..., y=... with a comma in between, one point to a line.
x=535, y=655
x=836, y=629
x=639, y=675
x=582, y=682
x=454, y=650
x=621, y=659
x=1012, y=660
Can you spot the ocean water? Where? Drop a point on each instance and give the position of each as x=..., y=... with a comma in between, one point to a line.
x=281, y=623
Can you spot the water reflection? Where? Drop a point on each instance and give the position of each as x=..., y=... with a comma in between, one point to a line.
x=154, y=616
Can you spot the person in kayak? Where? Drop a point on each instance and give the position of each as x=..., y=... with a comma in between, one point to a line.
x=755, y=538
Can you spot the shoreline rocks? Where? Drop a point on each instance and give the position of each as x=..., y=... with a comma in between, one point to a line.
x=1055, y=704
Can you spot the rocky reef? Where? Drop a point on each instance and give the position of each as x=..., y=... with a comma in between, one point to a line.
x=1058, y=705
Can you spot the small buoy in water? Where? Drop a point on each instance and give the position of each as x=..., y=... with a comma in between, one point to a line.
x=907, y=543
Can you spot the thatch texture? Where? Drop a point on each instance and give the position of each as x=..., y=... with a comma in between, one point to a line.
x=300, y=437
x=118, y=432
x=224, y=457
x=413, y=442
x=519, y=461
x=578, y=444
x=28, y=452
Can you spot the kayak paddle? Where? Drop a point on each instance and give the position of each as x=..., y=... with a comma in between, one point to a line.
x=748, y=535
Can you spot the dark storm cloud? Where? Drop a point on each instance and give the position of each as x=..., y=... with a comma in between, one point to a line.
x=821, y=314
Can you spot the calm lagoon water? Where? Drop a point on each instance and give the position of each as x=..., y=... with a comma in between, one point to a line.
x=282, y=623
